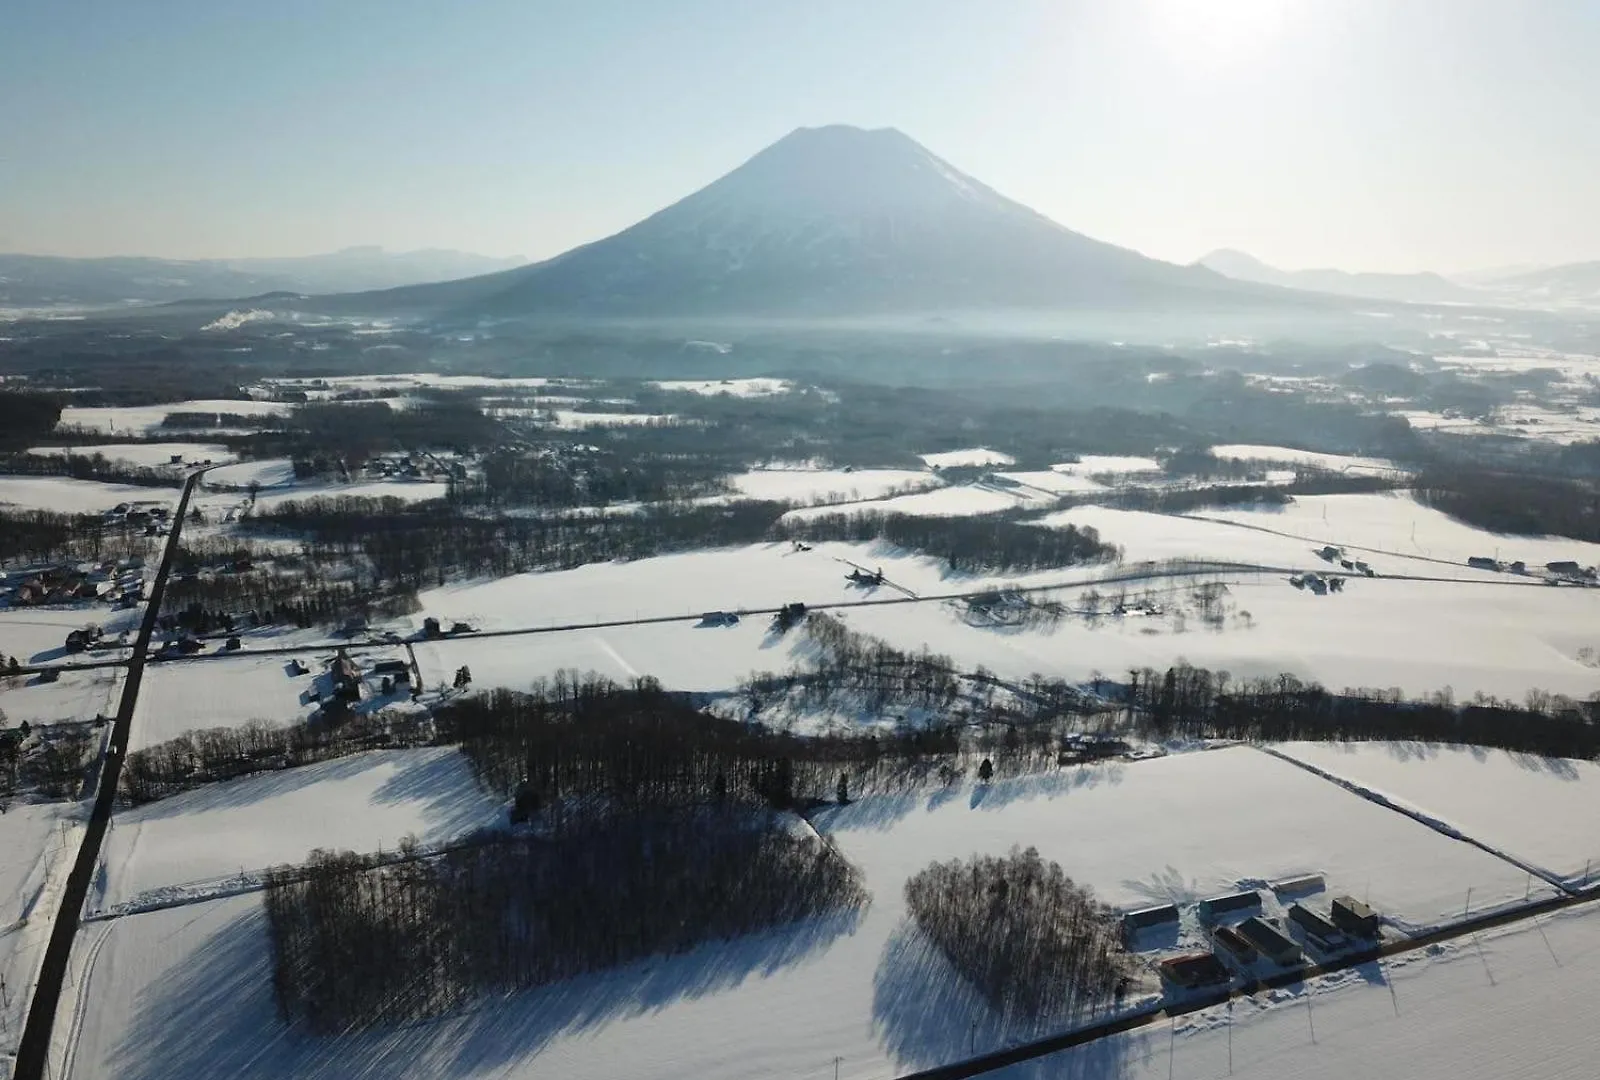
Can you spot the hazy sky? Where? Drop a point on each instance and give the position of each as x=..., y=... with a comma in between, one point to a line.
x=1371, y=134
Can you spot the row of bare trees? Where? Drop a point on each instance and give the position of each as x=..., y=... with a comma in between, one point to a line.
x=1199, y=703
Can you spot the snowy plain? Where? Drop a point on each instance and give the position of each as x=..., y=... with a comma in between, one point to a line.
x=869, y=993
x=146, y=455
x=147, y=419
x=1513, y=1002
x=1541, y=810
x=65, y=495
x=363, y=803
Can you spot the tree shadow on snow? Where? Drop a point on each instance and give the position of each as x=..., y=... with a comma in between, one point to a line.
x=927, y=1015
x=220, y=1017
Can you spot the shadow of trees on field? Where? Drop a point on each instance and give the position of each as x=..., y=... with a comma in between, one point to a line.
x=219, y=1019
x=926, y=1014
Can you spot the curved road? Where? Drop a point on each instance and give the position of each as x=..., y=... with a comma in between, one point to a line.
x=34, y=1049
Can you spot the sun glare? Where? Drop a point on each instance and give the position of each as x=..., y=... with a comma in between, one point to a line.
x=1216, y=32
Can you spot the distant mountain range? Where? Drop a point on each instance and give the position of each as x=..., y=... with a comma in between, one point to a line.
x=833, y=221
x=1403, y=288
x=40, y=280
x=1574, y=285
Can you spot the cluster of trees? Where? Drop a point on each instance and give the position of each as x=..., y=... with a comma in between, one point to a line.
x=209, y=755
x=857, y=672
x=1513, y=502
x=1197, y=703
x=355, y=946
x=1035, y=943
x=570, y=477
x=579, y=746
x=1184, y=499
x=204, y=605
x=26, y=417
x=40, y=535
x=981, y=542
x=420, y=546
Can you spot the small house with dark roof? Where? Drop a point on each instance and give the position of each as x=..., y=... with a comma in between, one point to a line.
x=1318, y=930
x=1216, y=907
x=1269, y=941
x=1194, y=971
x=1354, y=917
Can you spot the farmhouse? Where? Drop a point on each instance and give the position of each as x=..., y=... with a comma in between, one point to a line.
x=1229, y=903
x=1318, y=930
x=1269, y=941
x=1354, y=917
x=1235, y=944
x=1144, y=918
x=346, y=675
x=1193, y=971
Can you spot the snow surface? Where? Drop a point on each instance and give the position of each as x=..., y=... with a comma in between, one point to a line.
x=1109, y=464
x=1333, y=462
x=186, y=992
x=1541, y=810
x=686, y=584
x=570, y=420
x=64, y=495
x=37, y=844
x=76, y=695
x=133, y=419
x=148, y=455
x=38, y=634
x=408, y=490
x=1513, y=1002
x=360, y=803
x=268, y=472
x=1417, y=636
x=825, y=485
x=182, y=696
x=959, y=500
x=977, y=455
x=743, y=388
x=1399, y=524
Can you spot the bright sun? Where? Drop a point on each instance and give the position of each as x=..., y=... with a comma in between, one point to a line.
x=1216, y=32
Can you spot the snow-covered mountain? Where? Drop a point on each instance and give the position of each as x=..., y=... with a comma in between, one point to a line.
x=1415, y=288
x=1570, y=285
x=836, y=221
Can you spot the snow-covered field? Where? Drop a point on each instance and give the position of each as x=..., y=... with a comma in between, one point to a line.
x=269, y=472
x=407, y=490
x=1398, y=524
x=1418, y=636
x=37, y=844
x=1513, y=1002
x=1333, y=462
x=146, y=419
x=683, y=655
x=64, y=495
x=731, y=579
x=181, y=696
x=826, y=485
x=38, y=634
x=978, y=455
x=186, y=992
x=148, y=455
x=1541, y=810
x=743, y=388
x=76, y=695
x=571, y=420
x=360, y=803
x=959, y=500
x=1109, y=465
